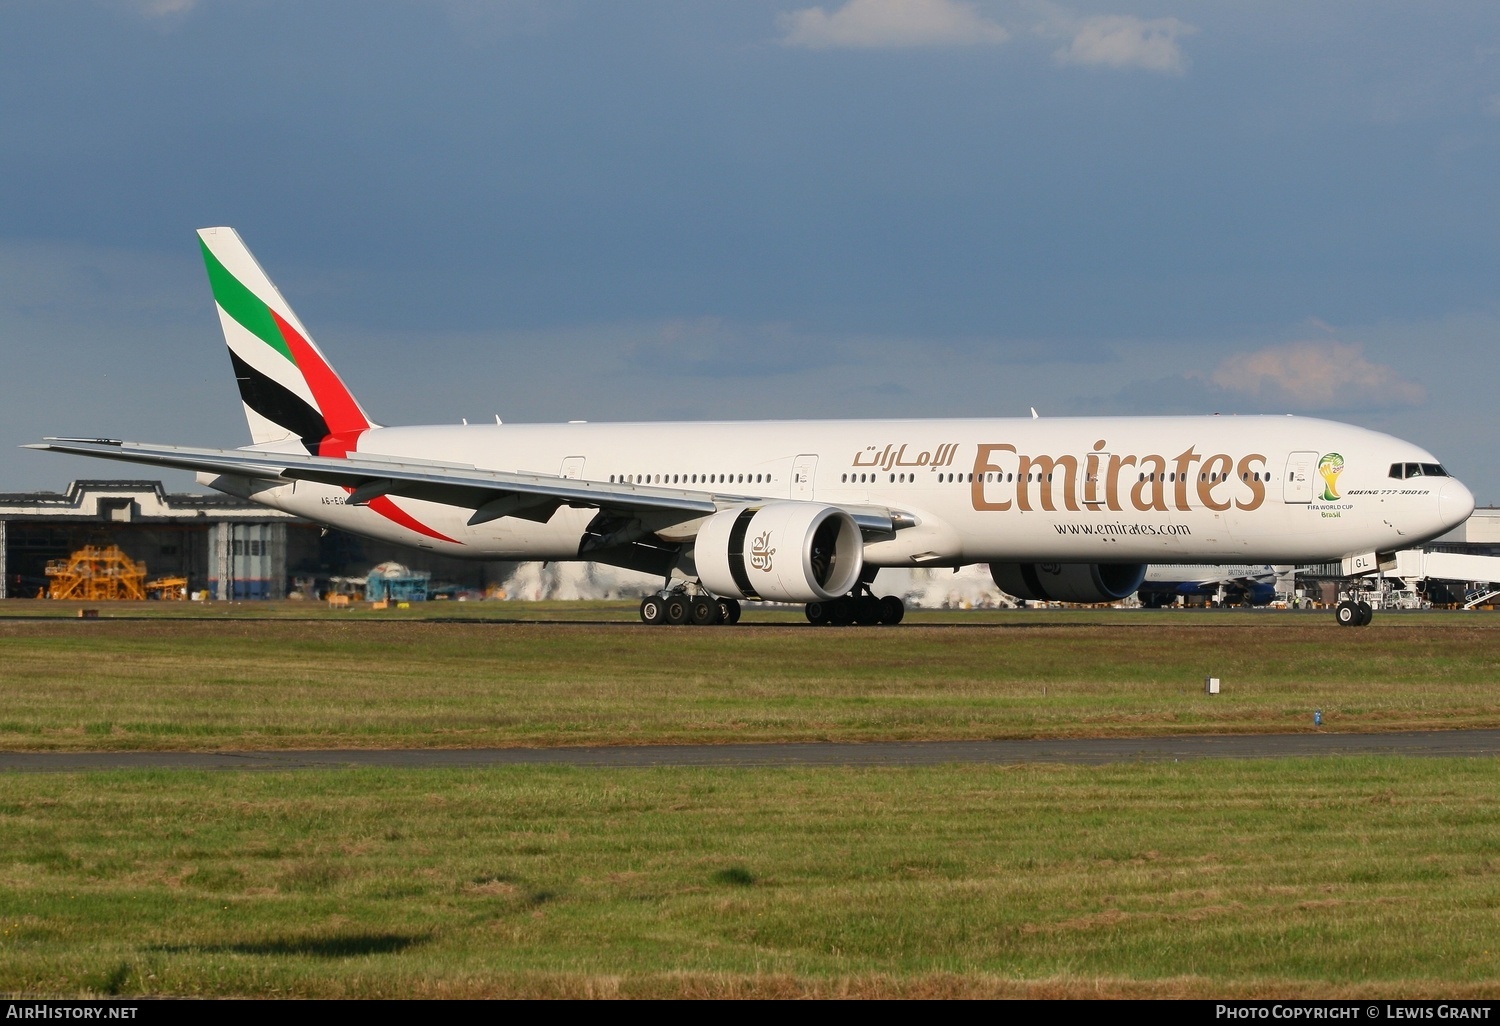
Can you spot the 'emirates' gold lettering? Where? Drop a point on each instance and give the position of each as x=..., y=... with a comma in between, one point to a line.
x=1005, y=478
x=982, y=467
x=1189, y=480
x=1215, y=471
x=1250, y=473
x=1047, y=470
x=1152, y=480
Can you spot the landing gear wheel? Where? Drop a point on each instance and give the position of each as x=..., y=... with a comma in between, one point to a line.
x=841, y=611
x=867, y=610
x=652, y=610
x=817, y=613
x=1347, y=614
x=729, y=611
x=677, y=609
x=703, y=612
x=1366, y=613
x=892, y=610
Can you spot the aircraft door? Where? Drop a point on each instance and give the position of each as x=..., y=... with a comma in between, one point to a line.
x=1297, y=485
x=803, y=470
x=572, y=467
x=1091, y=475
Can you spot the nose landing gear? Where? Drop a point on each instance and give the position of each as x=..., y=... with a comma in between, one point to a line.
x=1353, y=613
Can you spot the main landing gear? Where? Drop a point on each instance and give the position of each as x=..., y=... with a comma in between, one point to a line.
x=863, y=609
x=1353, y=612
x=679, y=608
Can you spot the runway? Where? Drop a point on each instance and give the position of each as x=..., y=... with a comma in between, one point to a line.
x=1085, y=751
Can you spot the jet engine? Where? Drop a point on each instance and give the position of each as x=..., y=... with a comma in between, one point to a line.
x=1069, y=582
x=784, y=551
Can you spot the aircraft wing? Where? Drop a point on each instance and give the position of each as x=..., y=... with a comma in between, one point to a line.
x=491, y=494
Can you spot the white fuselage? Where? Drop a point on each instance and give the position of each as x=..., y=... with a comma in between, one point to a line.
x=1105, y=489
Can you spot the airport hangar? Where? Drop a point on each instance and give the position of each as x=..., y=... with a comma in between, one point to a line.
x=226, y=546
x=236, y=550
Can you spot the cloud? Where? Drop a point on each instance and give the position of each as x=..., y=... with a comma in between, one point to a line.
x=890, y=24
x=1316, y=376
x=1125, y=41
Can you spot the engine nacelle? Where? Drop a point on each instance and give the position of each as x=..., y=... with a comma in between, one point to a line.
x=785, y=551
x=1069, y=582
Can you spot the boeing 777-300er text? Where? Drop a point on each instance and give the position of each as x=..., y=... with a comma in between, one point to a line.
x=1070, y=509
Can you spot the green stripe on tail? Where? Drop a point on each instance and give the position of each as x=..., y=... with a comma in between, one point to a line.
x=243, y=305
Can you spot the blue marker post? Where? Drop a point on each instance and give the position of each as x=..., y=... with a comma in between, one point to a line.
x=1317, y=717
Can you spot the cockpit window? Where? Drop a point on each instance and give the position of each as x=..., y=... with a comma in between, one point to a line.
x=1401, y=471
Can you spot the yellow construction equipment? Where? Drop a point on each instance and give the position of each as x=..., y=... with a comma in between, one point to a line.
x=168, y=589
x=97, y=574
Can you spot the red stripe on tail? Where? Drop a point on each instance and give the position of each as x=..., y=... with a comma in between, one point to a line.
x=344, y=419
x=340, y=412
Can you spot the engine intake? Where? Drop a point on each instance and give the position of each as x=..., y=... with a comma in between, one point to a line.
x=783, y=551
x=1069, y=582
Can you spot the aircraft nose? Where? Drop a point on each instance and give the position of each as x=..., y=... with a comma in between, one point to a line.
x=1455, y=502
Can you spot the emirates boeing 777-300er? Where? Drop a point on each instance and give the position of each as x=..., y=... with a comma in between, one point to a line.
x=806, y=511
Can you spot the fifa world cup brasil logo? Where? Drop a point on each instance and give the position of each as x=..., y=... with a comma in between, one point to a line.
x=1330, y=467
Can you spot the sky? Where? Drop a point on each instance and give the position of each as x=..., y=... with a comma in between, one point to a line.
x=567, y=210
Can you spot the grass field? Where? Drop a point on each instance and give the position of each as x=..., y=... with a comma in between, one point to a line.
x=1337, y=876
x=1325, y=877
x=340, y=680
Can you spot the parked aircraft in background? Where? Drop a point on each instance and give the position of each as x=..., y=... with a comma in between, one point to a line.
x=1243, y=584
x=1069, y=509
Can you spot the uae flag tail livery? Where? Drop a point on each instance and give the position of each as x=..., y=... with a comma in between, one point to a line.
x=290, y=392
x=1069, y=509
x=293, y=398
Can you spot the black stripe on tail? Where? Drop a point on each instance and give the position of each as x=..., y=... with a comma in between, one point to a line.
x=279, y=404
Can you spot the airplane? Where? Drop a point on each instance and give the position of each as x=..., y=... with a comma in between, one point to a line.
x=1254, y=584
x=803, y=511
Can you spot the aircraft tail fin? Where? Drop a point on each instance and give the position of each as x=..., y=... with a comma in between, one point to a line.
x=290, y=392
